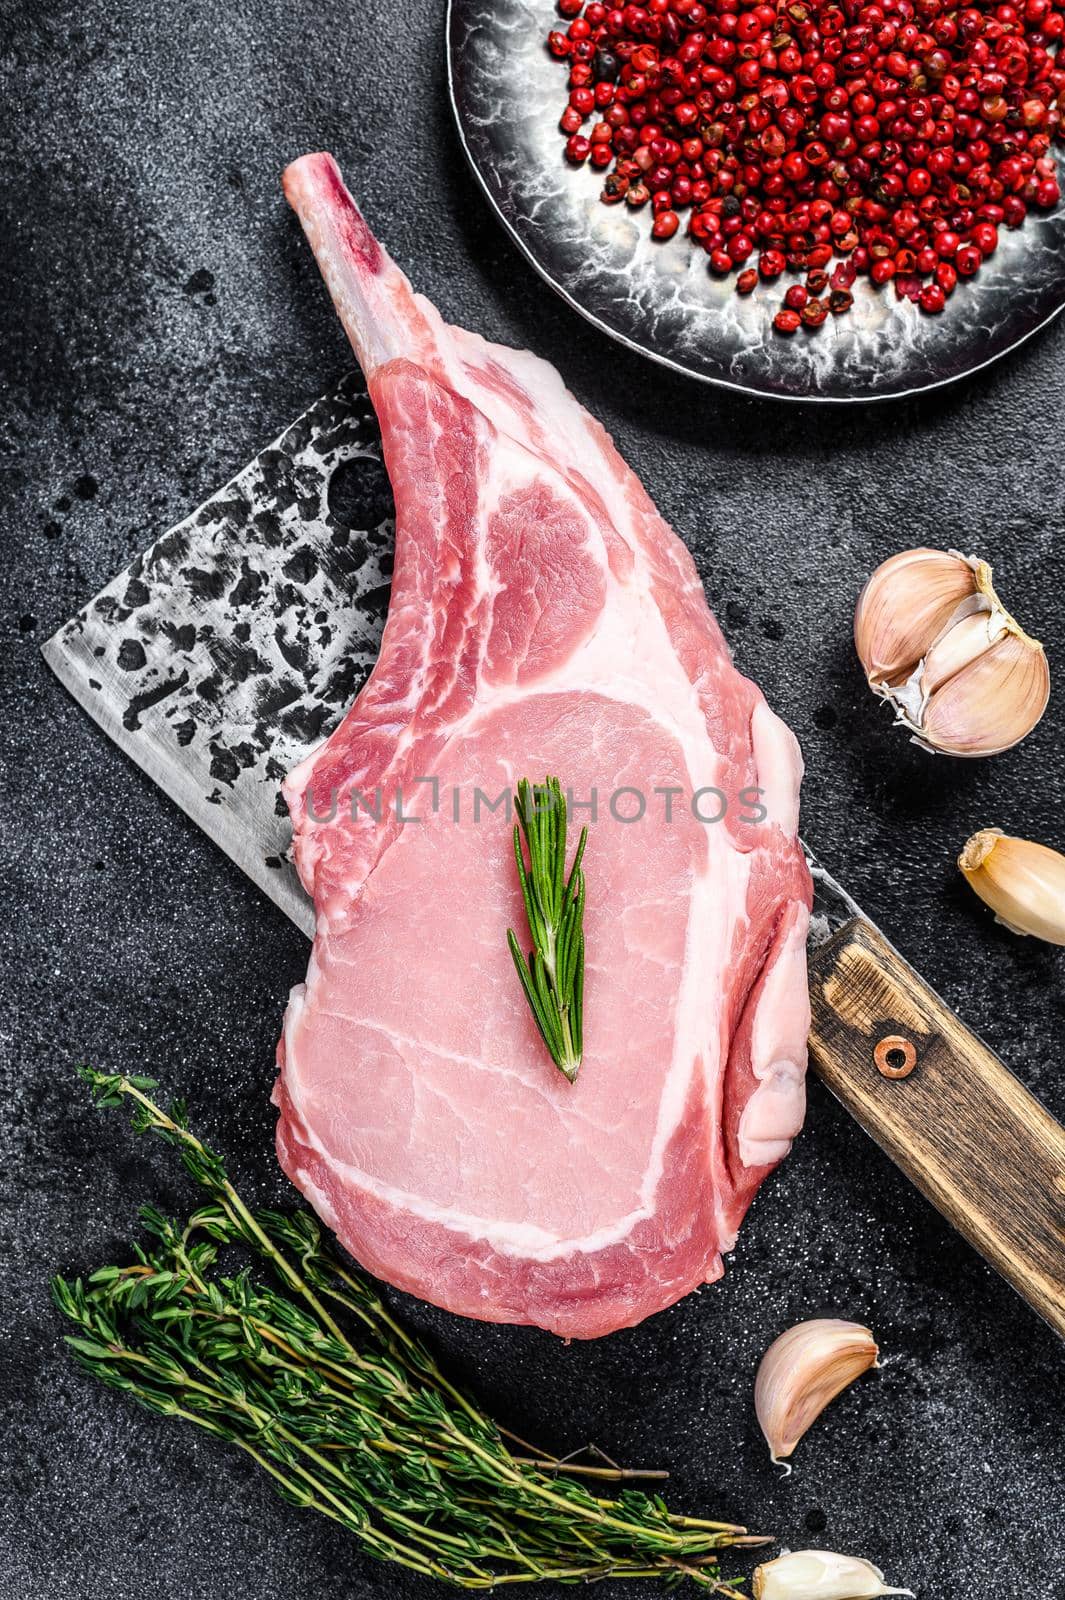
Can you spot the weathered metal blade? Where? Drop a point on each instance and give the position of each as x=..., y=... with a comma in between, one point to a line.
x=226, y=651
x=833, y=907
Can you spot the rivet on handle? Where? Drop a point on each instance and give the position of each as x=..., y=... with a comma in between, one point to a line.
x=895, y=1056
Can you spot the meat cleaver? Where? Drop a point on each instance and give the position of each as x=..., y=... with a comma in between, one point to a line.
x=234, y=644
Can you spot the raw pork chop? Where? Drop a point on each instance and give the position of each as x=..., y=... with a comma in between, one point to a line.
x=544, y=619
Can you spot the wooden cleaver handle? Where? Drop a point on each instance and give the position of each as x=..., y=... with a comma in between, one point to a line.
x=946, y=1110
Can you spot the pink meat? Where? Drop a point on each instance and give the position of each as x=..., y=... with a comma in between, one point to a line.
x=544, y=619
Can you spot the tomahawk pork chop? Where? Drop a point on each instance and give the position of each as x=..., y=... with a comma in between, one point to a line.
x=543, y=620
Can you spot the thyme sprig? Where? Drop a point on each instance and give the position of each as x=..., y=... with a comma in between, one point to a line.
x=305, y=1369
x=553, y=975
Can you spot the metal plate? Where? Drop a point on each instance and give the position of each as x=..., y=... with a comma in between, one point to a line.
x=660, y=300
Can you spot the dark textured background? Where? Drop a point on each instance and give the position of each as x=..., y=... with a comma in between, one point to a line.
x=162, y=320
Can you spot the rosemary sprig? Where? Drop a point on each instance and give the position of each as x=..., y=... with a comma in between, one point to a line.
x=306, y=1371
x=553, y=975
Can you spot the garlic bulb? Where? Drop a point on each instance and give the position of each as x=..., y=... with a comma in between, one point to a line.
x=802, y=1371
x=818, y=1575
x=939, y=646
x=1022, y=882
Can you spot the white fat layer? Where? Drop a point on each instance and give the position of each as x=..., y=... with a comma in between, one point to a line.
x=318, y=1198
x=631, y=635
x=777, y=759
x=774, y=1113
x=520, y=1239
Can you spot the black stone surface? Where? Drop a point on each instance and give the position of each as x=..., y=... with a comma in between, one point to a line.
x=162, y=320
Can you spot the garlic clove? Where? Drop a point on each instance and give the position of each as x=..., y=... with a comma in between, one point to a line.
x=958, y=646
x=1022, y=882
x=1007, y=687
x=819, y=1575
x=802, y=1371
x=905, y=605
x=937, y=643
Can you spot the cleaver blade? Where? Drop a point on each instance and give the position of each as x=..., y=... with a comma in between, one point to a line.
x=227, y=651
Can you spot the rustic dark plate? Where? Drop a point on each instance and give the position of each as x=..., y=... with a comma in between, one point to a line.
x=507, y=93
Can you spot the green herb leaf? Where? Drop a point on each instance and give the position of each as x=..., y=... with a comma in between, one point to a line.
x=295, y=1359
x=552, y=976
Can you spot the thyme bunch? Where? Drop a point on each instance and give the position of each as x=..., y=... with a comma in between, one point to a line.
x=296, y=1359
